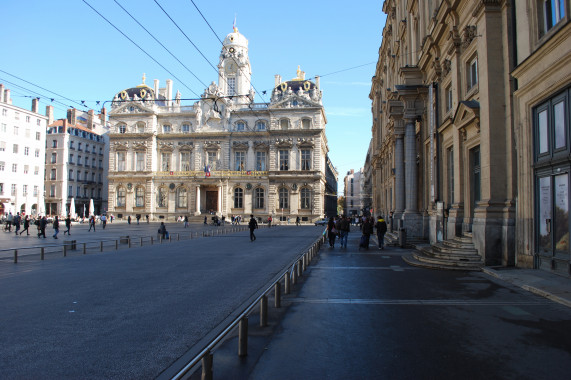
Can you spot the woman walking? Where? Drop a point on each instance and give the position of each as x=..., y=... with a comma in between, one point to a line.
x=332, y=232
x=26, y=225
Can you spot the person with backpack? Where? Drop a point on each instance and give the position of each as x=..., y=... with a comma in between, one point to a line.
x=381, y=227
x=252, y=224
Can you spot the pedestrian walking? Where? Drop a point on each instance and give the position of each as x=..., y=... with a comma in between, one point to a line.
x=26, y=225
x=16, y=222
x=9, y=219
x=297, y=221
x=269, y=221
x=129, y=219
x=67, y=225
x=367, y=229
x=163, y=231
x=43, y=225
x=56, y=227
x=186, y=221
x=138, y=218
x=331, y=232
x=344, y=228
x=91, y=223
x=103, y=221
x=253, y=224
x=205, y=220
x=147, y=216
x=381, y=226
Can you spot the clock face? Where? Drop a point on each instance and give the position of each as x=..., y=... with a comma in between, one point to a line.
x=231, y=67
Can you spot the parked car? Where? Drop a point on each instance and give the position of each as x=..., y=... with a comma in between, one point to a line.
x=322, y=222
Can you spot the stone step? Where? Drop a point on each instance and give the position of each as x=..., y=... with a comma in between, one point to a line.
x=414, y=260
x=453, y=250
x=453, y=256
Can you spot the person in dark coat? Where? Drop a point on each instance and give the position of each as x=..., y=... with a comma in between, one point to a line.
x=67, y=225
x=331, y=232
x=367, y=232
x=252, y=224
x=381, y=226
x=43, y=224
x=56, y=227
x=163, y=230
x=26, y=225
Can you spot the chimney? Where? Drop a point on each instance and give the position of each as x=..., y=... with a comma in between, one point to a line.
x=35, y=105
x=50, y=114
x=278, y=80
x=317, y=81
x=169, y=92
x=91, y=115
x=64, y=124
x=103, y=116
x=7, y=99
x=1, y=93
x=72, y=116
x=156, y=88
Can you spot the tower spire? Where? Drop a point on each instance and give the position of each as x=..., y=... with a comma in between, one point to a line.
x=234, y=27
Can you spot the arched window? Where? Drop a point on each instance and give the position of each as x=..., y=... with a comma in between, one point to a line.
x=240, y=126
x=259, y=198
x=283, y=198
x=181, y=197
x=121, y=196
x=305, y=197
x=284, y=124
x=162, y=197
x=238, y=197
x=306, y=124
x=140, y=196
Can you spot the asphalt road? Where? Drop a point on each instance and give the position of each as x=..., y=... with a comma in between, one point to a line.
x=131, y=313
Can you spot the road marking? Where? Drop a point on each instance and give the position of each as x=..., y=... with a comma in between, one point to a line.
x=356, y=301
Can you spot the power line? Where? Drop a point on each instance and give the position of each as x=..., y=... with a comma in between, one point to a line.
x=160, y=43
x=189, y=40
x=140, y=48
x=35, y=92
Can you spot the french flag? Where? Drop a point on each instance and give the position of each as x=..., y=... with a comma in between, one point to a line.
x=207, y=171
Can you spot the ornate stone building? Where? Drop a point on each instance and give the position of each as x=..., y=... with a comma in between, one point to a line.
x=471, y=121
x=225, y=154
x=443, y=153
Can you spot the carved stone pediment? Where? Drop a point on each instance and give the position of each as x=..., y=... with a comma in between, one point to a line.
x=309, y=99
x=240, y=145
x=185, y=145
x=305, y=142
x=212, y=145
x=285, y=142
x=467, y=112
x=121, y=145
x=139, y=145
x=163, y=145
x=261, y=145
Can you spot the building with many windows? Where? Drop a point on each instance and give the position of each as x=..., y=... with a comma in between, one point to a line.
x=353, y=189
x=77, y=154
x=22, y=156
x=471, y=132
x=225, y=154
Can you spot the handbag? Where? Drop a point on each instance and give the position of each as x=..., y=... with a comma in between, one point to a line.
x=334, y=230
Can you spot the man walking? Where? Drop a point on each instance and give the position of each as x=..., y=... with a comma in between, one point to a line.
x=103, y=220
x=253, y=224
x=381, y=227
x=16, y=222
x=26, y=225
x=67, y=225
x=344, y=229
x=56, y=227
x=43, y=224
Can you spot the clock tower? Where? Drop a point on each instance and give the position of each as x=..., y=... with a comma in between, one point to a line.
x=234, y=70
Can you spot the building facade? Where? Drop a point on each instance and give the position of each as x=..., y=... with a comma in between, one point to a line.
x=77, y=154
x=22, y=156
x=225, y=154
x=353, y=189
x=542, y=133
x=443, y=152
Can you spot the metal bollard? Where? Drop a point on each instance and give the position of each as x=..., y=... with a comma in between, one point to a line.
x=170, y=238
x=177, y=237
x=15, y=256
x=84, y=248
x=294, y=275
x=42, y=253
x=101, y=246
x=141, y=241
x=287, y=283
x=264, y=311
x=152, y=240
x=116, y=244
x=299, y=268
x=129, y=241
x=278, y=295
x=64, y=250
x=243, y=337
x=207, y=360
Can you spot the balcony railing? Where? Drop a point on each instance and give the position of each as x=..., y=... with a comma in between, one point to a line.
x=214, y=173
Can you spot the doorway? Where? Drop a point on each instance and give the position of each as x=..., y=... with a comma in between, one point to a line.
x=211, y=201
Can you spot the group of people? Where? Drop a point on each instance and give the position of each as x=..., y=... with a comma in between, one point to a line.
x=341, y=226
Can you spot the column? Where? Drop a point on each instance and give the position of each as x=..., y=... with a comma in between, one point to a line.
x=250, y=157
x=197, y=210
x=219, y=208
x=399, y=175
x=411, y=178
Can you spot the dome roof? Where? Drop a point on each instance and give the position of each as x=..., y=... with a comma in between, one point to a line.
x=235, y=39
x=295, y=85
x=142, y=91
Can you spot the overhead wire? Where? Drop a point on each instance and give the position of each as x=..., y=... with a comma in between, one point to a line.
x=34, y=92
x=138, y=46
x=160, y=43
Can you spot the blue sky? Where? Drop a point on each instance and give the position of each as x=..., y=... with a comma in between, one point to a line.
x=66, y=48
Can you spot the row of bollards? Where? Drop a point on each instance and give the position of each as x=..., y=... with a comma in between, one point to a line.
x=72, y=245
x=290, y=277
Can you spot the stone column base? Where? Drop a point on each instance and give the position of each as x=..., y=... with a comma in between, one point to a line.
x=415, y=225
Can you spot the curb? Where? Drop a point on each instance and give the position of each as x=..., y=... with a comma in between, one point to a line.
x=529, y=288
